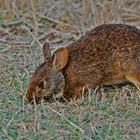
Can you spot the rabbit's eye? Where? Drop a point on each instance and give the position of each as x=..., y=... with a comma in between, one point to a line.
x=41, y=84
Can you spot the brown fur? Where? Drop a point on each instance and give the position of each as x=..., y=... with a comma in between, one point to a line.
x=108, y=54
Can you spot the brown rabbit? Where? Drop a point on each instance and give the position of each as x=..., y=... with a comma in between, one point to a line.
x=106, y=55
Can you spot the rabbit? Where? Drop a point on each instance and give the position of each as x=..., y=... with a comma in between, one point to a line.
x=108, y=54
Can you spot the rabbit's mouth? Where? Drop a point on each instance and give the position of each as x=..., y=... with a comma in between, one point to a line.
x=53, y=97
x=48, y=97
x=58, y=95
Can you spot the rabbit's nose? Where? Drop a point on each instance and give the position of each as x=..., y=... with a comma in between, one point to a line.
x=29, y=95
x=29, y=98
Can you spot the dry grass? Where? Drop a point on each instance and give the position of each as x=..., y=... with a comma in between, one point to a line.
x=110, y=113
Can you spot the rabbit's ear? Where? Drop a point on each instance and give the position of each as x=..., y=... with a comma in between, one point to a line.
x=60, y=58
x=47, y=51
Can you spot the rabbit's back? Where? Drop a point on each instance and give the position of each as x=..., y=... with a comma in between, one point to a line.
x=104, y=39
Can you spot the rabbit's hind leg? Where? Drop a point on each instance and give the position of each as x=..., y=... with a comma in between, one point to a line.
x=134, y=77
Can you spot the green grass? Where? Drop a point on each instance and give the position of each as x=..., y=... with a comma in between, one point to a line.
x=97, y=119
x=110, y=113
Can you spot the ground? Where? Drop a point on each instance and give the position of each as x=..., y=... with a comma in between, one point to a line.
x=106, y=113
